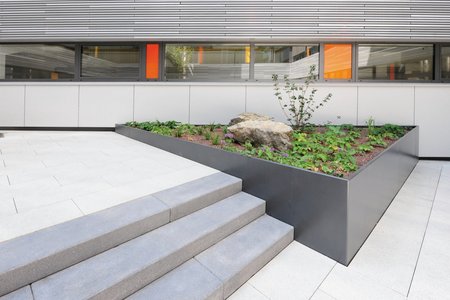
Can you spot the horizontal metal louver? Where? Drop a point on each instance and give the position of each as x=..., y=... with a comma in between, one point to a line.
x=57, y=20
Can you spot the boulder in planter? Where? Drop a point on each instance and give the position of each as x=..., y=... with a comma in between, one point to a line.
x=275, y=134
x=249, y=117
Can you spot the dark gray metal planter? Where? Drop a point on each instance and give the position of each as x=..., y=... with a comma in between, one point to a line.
x=331, y=215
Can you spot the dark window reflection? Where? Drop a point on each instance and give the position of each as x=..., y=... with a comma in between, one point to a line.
x=37, y=61
x=445, y=62
x=110, y=61
x=395, y=62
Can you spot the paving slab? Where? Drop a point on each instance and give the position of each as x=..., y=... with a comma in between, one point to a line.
x=50, y=169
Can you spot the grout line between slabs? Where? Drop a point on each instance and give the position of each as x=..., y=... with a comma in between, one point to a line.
x=325, y=278
x=261, y=293
x=424, y=234
x=15, y=205
x=82, y=212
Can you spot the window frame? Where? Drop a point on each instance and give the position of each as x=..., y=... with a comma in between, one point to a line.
x=74, y=79
x=434, y=64
x=141, y=64
x=163, y=62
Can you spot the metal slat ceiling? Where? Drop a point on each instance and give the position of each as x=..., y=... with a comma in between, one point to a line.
x=354, y=20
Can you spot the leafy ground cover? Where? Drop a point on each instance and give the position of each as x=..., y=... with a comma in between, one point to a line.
x=335, y=150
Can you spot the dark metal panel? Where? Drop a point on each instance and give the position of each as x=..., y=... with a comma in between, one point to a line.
x=331, y=215
x=374, y=187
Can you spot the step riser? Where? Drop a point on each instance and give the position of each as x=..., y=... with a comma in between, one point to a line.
x=239, y=279
x=188, y=198
x=123, y=270
x=220, y=270
x=54, y=252
x=132, y=284
x=67, y=253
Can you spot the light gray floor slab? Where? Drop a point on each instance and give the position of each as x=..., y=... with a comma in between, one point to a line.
x=21, y=294
x=281, y=278
x=97, y=170
x=343, y=283
x=248, y=292
x=406, y=255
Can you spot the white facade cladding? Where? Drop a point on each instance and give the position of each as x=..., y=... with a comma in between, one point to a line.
x=352, y=20
x=53, y=74
x=104, y=104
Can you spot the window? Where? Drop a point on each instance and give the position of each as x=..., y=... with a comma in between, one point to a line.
x=294, y=61
x=338, y=61
x=37, y=61
x=445, y=63
x=110, y=62
x=395, y=62
x=207, y=61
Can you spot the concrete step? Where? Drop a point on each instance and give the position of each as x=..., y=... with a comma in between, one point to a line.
x=63, y=245
x=121, y=271
x=220, y=270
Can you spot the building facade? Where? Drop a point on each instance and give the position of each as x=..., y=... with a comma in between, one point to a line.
x=97, y=63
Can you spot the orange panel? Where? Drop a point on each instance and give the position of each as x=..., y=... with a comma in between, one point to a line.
x=247, y=54
x=338, y=61
x=200, y=55
x=152, y=61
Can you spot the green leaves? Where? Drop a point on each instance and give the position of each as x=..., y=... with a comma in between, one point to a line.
x=296, y=102
x=331, y=149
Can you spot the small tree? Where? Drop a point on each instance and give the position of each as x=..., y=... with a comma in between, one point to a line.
x=297, y=103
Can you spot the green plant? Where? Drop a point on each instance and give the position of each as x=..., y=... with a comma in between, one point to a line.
x=296, y=101
x=207, y=135
x=371, y=126
x=216, y=140
x=248, y=146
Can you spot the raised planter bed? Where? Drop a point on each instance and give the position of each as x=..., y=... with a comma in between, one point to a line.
x=331, y=215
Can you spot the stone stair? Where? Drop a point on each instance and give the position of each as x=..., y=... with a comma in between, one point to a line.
x=200, y=240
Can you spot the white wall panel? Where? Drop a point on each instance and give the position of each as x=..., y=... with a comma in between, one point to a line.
x=12, y=105
x=218, y=104
x=161, y=103
x=386, y=104
x=105, y=105
x=261, y=100
x=433, y=118
x=51, y=105
x=341, y=109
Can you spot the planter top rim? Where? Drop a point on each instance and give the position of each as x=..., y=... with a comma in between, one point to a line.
x=361, y=169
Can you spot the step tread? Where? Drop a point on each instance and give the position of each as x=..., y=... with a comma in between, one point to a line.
x=192, y=196
x=120, y=271
x=189, y=281
x=242, y=254
x=218, y=271
x=65, y=244
x=60, y=246
x=21, y=294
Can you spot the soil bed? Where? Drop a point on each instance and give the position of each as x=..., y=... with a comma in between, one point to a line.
x=334, y=150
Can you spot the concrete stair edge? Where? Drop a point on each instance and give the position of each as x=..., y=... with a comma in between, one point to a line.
x=121, y=271
x=63, y=245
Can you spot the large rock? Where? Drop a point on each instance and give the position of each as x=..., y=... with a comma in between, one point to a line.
x=249, y=117
x=270, y=133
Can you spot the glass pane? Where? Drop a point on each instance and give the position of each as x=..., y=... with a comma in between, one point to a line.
x=110, y=61
x=395, y=62
x=293, y=61
x=445, y=62
x=37, y=61
x=207, y=61
x=338, y=61
x=152, y=62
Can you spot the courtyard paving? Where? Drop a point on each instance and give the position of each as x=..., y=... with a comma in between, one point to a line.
x=51, y=177
x=407, y=255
